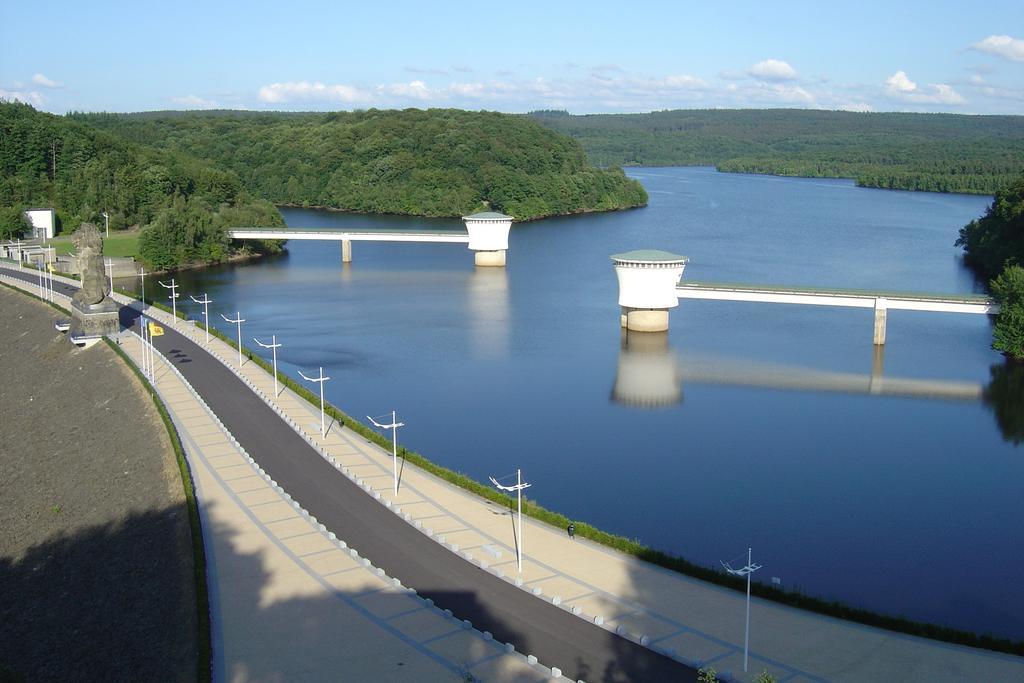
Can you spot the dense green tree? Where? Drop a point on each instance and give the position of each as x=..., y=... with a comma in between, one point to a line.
x=997, y=238
x=13, y=222
x=438, y=162
x=184, y=204
x=1008, y=334
x=937, y=152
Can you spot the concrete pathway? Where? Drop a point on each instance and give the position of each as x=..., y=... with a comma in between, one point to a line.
x=696, y=622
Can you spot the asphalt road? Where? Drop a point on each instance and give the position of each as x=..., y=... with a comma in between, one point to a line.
x=557, y=638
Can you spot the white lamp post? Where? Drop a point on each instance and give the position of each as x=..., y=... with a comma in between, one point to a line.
x=272, y=345
x=238, y=321
x=205, y=301
x=145, y=355
x=395, y=424
x=174, y=299
x=106, y=223
x=745, y=571
x=319, y=380
x=518, y=488
x=142, y=274
x=147, y=350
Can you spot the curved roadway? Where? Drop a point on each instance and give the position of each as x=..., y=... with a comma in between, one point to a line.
x=557, y=638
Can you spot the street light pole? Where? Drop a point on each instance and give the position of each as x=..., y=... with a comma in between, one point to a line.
x=518, y=488
x=395, y=424
x=142, y=274
x=319, y=380
x=205, y=301
x=745, y=571
x=174, y=299
x=106, y=222
x=238, y=321
x=272, y=345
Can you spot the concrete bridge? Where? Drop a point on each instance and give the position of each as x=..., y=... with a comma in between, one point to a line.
x=486, y=235
x=650, y=284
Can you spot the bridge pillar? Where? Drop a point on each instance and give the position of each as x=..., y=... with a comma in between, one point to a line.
x=647, y=288
x=488, y=237
x=881, y=312
x=346, y=251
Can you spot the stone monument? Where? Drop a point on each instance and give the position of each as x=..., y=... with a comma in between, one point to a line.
x=93, y=313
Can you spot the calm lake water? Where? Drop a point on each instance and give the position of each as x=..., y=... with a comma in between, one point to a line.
x=747, y=425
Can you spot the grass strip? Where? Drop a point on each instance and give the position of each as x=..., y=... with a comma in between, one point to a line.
x=204, y=660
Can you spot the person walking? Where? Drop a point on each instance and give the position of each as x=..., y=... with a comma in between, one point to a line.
x=571, y=530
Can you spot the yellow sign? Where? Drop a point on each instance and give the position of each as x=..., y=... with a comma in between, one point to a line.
x=155, y=329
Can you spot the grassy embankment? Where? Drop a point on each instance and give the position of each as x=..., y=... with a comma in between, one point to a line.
x=117, y=245
x=633, y=546
x=205, y=654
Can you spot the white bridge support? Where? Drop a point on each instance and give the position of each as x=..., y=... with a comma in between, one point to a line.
x=486, y=235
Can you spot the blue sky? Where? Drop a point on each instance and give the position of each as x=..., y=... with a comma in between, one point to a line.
x=586, y=57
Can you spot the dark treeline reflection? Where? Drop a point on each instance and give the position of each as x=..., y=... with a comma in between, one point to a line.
x=1004, y=395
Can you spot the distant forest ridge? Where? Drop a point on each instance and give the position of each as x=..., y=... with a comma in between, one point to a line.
x=906, y=151
x=436, y=162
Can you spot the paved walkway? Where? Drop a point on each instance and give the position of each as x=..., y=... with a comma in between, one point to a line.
x=696, y=622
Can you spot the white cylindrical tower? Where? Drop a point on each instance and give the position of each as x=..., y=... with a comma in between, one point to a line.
x=488, y=237
x=647, y=287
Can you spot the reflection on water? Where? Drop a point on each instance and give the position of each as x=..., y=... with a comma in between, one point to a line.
x=650, y=374
x=1005, y=397
x=647, y=375
x=487, y=296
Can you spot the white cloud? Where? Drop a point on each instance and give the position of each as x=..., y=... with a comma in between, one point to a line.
x=32, y=97
x=899, y=83
x=40, y=79
x=194, y=102
x=1002, y=46
x=304, y=91
x=416, y=90
x=772, y=70
x=902, y=88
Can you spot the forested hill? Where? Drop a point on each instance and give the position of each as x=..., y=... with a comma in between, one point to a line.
x=183, y=204
x=438, y=162
x=936, y=152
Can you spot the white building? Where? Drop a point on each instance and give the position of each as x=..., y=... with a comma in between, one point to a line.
x=44, y=223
